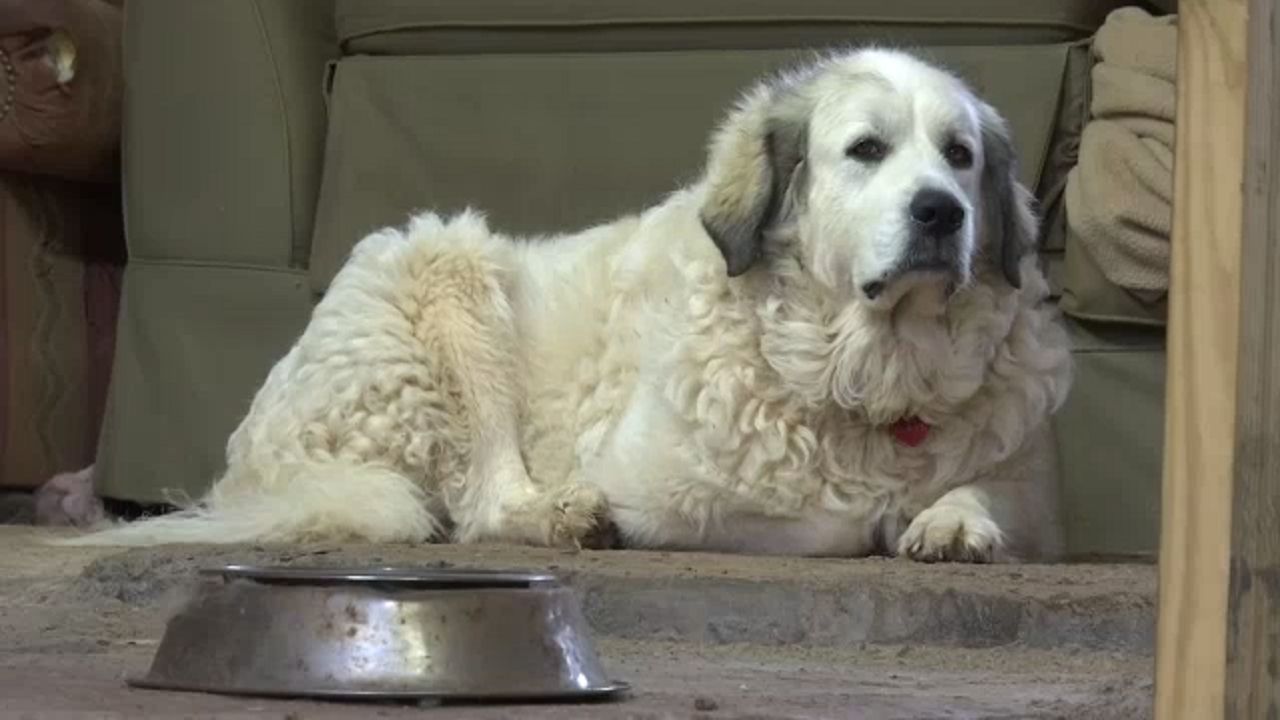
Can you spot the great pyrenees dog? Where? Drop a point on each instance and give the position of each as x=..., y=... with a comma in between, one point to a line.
x=836, y=342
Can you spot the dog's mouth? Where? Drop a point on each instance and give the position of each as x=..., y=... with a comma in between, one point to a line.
x=913, y=273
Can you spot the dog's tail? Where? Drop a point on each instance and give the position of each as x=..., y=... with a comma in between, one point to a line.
x=300, y=502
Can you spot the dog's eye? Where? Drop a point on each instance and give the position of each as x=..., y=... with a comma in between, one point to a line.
x=869, y=150
x=958, y=156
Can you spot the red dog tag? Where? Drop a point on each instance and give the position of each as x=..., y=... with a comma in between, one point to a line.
x=910, y=431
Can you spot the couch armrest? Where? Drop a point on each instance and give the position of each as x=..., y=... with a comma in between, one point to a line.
x=224, y=124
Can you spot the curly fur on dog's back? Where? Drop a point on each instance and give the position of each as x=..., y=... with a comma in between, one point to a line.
x=357, y=430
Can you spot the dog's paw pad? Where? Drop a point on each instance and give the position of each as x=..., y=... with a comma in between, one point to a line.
x=951, y=534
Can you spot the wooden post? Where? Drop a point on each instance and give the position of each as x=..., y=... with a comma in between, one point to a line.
x=1253, y=595
x=1218, y=640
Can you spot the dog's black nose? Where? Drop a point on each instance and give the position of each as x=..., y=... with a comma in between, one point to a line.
x=936, y=213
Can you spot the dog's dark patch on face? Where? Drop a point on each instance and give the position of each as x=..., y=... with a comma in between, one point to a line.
x=740, y=237
x=1010, y=225
x=772, y=157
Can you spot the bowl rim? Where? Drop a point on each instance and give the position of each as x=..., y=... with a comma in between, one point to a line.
x=436, y=578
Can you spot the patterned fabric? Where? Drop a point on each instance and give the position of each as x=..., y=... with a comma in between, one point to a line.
x=60, y=224
x=62, y=259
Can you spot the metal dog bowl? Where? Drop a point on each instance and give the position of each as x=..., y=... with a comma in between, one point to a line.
x=383, y=633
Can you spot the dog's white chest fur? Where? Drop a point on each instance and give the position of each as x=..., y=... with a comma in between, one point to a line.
x=704, y=409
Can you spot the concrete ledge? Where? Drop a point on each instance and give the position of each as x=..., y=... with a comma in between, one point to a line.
x=753, y=638
x=716, y=599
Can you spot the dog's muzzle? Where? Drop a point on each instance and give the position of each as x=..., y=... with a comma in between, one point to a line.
x=936, y=218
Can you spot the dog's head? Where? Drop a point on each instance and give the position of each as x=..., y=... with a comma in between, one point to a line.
x=876, y=171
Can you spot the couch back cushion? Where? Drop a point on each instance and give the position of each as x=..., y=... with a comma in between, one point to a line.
x=412, y=27
x=554, y=116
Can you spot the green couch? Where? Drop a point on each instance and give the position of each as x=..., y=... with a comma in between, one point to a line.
x=263, y=138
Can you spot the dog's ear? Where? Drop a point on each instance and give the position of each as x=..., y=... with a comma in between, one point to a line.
x=755, y=155
x=1009, y=216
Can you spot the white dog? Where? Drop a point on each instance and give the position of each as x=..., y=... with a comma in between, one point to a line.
x=836, y=342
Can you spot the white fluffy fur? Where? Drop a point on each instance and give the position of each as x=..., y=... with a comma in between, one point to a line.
x=455, y=382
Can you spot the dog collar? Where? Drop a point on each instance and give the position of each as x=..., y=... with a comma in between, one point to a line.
x=910, y=431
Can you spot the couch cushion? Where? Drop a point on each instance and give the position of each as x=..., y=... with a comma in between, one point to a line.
x=224, y=128
x=195, y=343
x=1110, y=435
x=61, y=256
x=445, y=26
x=553, y=142
x=1064, y=149
x=1087, y=294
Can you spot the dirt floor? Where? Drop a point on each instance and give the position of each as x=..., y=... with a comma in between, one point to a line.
x=75, y=622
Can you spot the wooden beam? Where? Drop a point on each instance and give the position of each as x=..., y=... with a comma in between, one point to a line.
x=1220, y=538
x=1253, y=595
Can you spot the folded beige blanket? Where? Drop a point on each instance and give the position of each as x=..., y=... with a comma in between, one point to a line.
x=1119, y=197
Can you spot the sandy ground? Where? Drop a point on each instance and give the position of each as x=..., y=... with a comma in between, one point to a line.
x=75, y=622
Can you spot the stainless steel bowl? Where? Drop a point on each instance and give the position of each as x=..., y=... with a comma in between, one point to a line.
x=380, y=633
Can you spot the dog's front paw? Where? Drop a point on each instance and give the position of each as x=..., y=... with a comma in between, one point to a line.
x=579, y=518
x=949, y=533
x=570, y=516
